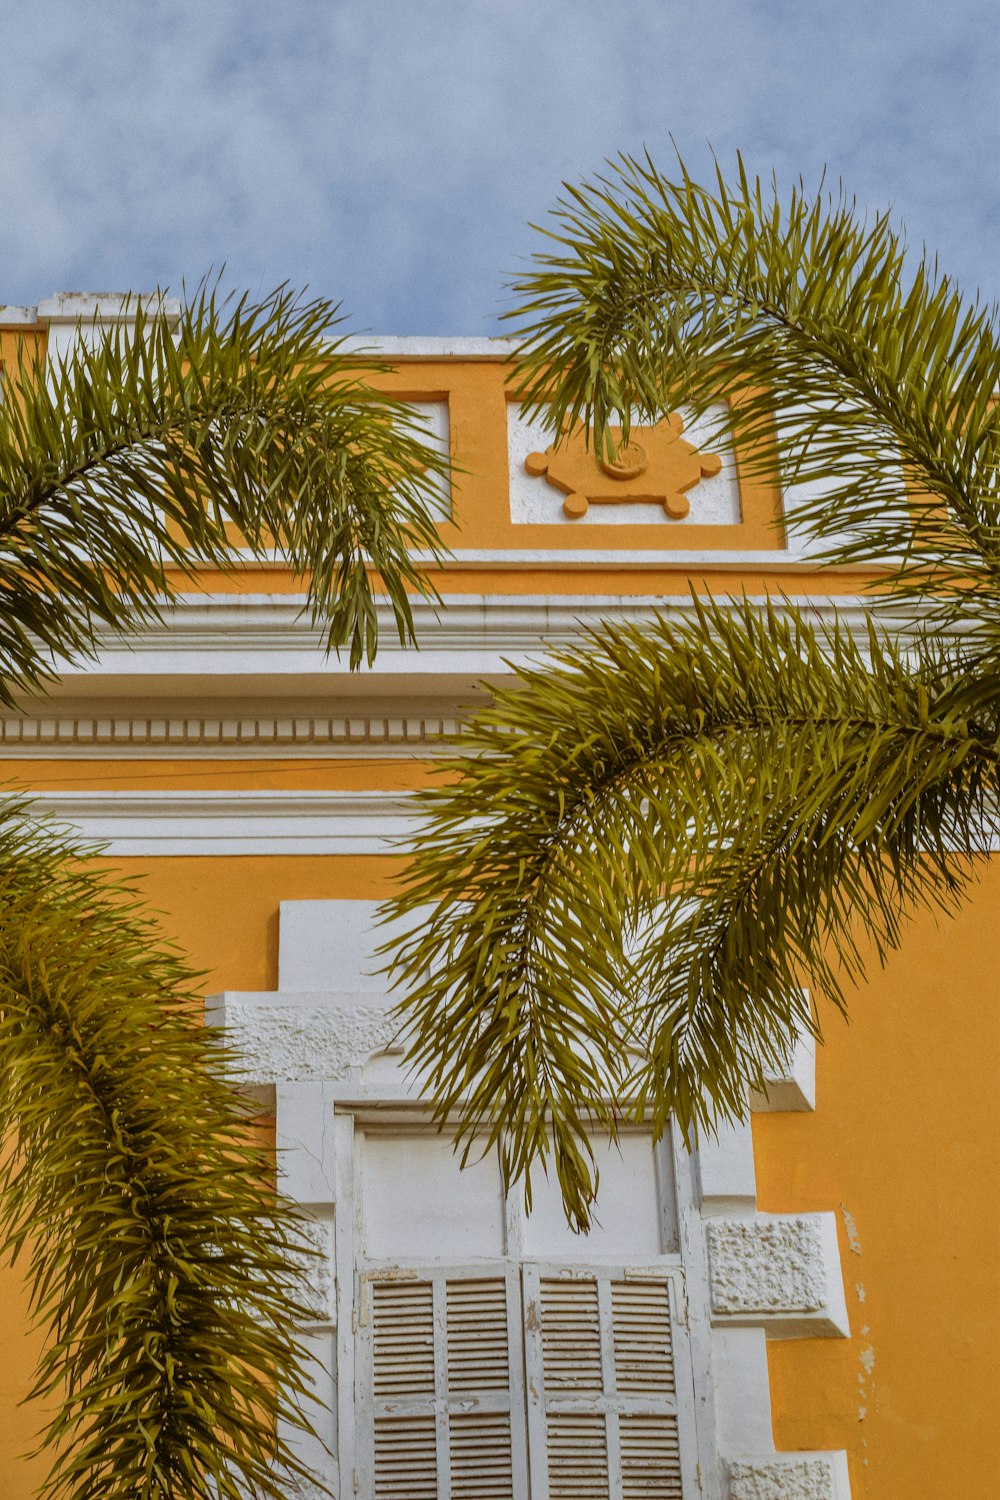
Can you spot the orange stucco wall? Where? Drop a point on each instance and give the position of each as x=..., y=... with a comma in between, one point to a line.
x=904, y=1143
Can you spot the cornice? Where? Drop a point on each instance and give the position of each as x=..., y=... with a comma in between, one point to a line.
x=249, y=674
x=165, y=823
x=485, y=625
x=427, y=346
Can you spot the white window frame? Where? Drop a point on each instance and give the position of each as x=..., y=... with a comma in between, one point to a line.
x=691, y=1332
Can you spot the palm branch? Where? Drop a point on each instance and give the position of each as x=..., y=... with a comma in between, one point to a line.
x=158, y=1254
x=657, y=841
x=160, y=1259
x=133, y=464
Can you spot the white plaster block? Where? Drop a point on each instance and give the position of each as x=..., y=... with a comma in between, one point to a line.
x=304, y=1130
x=726, y=1173
x=742, y=1390
x=316, y=1449
x=332, y=946
x=790, y=1476
x=296, y=1037
x=794, y=1086
x=780, y=1272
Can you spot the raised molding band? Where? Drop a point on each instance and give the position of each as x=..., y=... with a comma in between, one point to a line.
x=257, y=735
x=234, y=638
x=167, y=823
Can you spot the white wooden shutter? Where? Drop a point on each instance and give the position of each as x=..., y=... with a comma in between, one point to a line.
x=605, y=1418
x=440, y=1388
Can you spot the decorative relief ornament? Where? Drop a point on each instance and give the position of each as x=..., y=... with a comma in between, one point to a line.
x=656, y=466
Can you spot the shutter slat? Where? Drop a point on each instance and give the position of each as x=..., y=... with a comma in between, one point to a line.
x=577, y=1456
x=651, y=1459
x=571, y=1336
x=478, y=1357
x=405, y=1458
x=403, y=1338
x=481, y=1459
x=644, y=1360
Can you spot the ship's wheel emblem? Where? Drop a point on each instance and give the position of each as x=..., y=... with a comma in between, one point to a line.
x=656, y=466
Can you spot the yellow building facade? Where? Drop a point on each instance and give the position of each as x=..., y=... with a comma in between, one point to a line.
x=804, y=1310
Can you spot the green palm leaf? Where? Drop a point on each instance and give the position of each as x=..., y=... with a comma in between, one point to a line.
x=880, y=380
x=136, y=458
x=656, y=841
x=161, y=1260
x=157, y=1254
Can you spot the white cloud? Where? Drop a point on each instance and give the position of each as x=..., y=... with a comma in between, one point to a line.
x=389, y=153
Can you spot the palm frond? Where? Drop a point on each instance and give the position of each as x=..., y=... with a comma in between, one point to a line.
x=653, y=843
x=165, y=1265
x=137, y=459
x=880, y=384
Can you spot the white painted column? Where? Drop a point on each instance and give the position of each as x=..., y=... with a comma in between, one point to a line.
x=304, y=1139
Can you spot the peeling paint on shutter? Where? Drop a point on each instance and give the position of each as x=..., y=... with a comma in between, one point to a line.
x=644, y=1358
x=651, y=1459
x=477, y=1336
x=481, y=1457
x=405, y=1458
x=478, y=1350
x=403, y=1316
x=443, y=1400
x=571, y=1336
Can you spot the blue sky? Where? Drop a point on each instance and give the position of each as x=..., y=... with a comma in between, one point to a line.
x=390, y=153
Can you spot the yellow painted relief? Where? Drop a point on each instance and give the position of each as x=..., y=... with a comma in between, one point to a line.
x=655, y=467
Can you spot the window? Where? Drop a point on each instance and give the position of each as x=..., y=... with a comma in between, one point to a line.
x=499, y=1357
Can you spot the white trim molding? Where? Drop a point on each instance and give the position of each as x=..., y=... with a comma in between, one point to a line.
x=325, y=1040
x=237, y=640
x=151, y=823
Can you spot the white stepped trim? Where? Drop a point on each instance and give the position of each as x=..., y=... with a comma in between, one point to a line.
x=155, y=823
x=233, y=645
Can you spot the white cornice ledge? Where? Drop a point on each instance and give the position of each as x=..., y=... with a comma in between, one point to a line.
x=105, y=307
x=429, y=346
x=244, y=638
x=150, y=823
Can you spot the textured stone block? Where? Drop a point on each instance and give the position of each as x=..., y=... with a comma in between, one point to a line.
x=780, y=1272
x=286, y=1038
x=793, y=1476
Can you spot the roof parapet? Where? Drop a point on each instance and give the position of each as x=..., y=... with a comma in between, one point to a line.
x=105, y=307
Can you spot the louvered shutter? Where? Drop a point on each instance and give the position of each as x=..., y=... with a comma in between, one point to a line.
x=606, y=1420
x=440, y=1385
